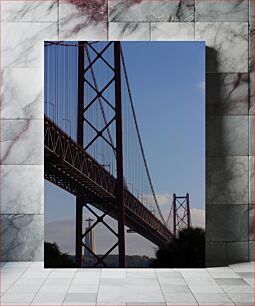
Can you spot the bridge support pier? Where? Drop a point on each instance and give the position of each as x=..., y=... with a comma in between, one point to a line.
x=119, y=156
x=79, y=221
x=80, y=136
x=80, y=234
x=117, y=148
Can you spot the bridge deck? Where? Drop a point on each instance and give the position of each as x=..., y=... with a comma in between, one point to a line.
x=70, y=167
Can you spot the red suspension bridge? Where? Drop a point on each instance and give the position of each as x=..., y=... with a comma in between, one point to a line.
x=93, y=147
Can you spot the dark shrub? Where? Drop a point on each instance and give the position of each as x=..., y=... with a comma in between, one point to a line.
x=186, y=251
x=53, y=258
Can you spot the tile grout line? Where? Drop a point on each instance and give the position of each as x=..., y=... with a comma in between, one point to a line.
x=98, y=286
x=223, y=289
x=228, y=296
x=245, y=279
x=150, y=28
x=40, y=286
x=69, y=286
x=160, y=286
x=189, y=287
x=15, y=280
x=195, y=11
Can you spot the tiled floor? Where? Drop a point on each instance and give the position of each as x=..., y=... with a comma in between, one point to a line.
x=27, y=283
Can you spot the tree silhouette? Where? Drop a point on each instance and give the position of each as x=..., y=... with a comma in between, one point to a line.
x=53, y=258
x=186, y=251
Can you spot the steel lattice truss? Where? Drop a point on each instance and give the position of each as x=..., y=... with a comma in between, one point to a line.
x=71, y=168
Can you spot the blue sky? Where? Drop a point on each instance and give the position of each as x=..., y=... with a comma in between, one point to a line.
x=167, y=81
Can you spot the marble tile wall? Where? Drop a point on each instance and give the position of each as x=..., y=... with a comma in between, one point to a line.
x=227, y=27
x=22, y=125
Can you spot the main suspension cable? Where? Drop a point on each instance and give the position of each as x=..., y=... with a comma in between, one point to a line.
x=140, y=140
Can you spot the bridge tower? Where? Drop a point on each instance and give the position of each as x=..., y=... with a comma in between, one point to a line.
x=181, y=213
x=83, y=106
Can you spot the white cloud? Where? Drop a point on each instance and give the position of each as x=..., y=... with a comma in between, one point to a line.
x=198, y=217
x=201, y=85
x=164, y=201
x=164, y=198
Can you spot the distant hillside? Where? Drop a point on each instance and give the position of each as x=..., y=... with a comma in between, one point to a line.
x=132, y=261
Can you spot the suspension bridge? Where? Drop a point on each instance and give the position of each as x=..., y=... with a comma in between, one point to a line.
x=93, y=148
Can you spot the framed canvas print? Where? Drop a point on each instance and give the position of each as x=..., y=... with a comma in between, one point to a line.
x=101, y=206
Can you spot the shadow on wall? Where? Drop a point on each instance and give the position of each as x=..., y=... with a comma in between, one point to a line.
x=214, y=137
x=221, y=224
